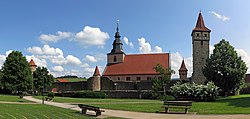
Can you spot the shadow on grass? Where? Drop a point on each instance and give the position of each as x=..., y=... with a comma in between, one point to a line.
x=237, y=102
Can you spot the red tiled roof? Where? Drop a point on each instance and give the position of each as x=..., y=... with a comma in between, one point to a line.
x=96, y=73
x=62, y=80
x=32, y=63
x=138, y=64
x=200, y=25
x=183, y=66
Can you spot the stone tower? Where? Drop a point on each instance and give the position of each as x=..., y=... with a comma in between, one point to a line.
x=200, y=40
x=95, y=81
x=32, y=65
x=183, y=71
x=116, y=55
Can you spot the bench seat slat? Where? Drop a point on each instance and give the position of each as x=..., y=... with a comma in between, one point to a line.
x=188, y=107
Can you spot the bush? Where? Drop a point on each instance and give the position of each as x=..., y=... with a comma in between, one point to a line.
x=51, y=94
x=166, y=97
x=89, y=94
x=195, y=92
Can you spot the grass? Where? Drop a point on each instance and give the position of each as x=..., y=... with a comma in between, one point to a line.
x=229, y=105
x=74, y=79
x=36, y=111
x=11, y=98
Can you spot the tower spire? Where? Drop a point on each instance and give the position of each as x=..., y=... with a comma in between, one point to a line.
x=117, y=28
x=200, y=24
x=96, y=73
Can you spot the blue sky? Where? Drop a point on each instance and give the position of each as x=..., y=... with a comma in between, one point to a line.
x=72, y=37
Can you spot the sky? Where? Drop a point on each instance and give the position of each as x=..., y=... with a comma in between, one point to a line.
x=72, y=37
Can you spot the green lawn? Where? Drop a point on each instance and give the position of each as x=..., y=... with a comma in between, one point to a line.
x=230, y=105
x=11, y=98
x=74, y=79
x=37, y=111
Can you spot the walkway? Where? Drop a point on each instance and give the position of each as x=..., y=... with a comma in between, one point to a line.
x=141, y=115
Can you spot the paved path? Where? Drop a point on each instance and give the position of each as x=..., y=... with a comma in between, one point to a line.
x=141, y=115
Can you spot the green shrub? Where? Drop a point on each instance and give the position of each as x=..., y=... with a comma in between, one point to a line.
x=166, y=97
x=51, y=94
x=195, y=92
x=89, y=94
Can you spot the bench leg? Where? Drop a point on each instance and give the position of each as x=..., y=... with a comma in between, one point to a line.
x=84, y=111
x=166, y=110
x=186, y=111
x=98, y=113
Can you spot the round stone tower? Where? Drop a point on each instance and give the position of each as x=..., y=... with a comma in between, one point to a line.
x=183, y=71
x=32, y=65
x=95, y=81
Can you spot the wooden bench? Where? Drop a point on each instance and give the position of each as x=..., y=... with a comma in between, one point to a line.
x=177, y=104
x=93, y=108
x=48, y=98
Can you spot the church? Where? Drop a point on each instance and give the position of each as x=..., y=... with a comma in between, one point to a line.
x=122, y=67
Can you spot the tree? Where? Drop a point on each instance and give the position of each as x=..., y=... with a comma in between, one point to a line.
x=42, y=78
x=17, y=75
x=225, y=68
x=160, y=83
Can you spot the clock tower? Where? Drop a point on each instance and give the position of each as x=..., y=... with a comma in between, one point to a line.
x=200, y=40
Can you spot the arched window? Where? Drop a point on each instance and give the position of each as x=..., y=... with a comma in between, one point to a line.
x=115, y=59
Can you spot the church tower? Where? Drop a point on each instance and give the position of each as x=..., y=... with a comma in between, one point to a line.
x=183, y=71
x=200, y=40
x=116, y=55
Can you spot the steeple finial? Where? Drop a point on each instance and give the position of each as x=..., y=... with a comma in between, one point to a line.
x=117, y=28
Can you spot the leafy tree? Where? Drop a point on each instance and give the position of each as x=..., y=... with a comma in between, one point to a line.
x=225, y=68
x=41, y=76
x=160, y=83
x=16, y=73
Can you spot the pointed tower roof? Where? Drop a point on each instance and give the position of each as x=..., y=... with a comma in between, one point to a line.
x=32, y=63
x=200, y=25
x=96, y=73
x=183, y=66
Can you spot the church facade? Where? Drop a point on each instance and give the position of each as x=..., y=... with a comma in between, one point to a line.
x=132, y=67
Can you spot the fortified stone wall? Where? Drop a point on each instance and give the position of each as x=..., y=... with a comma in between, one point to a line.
x=68, y=86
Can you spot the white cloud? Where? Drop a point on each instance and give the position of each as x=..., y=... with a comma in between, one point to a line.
x=73, y=60
x=91, y=36
x=46, y=50
x=90, y=58
x=145, y=47
x=54, y=38
x=2, y=60
x=8, y=52
x=158, y=49
x=176, y=60
x=127, y=42
x=219, y=16
x=58, y=68
x=245, y=57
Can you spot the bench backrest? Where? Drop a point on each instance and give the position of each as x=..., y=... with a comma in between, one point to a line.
x=178, y=103
x=88, y=107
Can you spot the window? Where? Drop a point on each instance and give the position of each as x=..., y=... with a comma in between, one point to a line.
x=138, y=78
x=118, y=78
x=148, y=78
x=205, y=35
x=115, y=59
x=127, y=78
x=201, y=42
x=197, y=34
